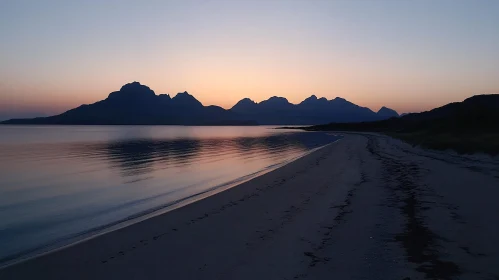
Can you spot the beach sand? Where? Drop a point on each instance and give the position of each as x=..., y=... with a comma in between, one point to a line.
x=365, y=207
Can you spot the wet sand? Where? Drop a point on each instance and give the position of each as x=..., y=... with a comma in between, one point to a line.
x=365, y=207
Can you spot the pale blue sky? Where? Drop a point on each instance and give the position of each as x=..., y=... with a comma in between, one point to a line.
x=408, y=55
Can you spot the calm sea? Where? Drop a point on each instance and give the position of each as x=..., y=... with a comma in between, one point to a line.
x=59, y=184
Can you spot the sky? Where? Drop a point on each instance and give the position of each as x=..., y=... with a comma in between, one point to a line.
x=407, y=55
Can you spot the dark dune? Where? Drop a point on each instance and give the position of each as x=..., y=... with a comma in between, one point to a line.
x=467, y=127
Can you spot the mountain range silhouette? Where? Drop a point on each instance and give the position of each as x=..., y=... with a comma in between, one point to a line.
x=136, y=104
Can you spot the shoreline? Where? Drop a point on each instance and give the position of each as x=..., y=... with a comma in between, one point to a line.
x=92, y=233
x=367, y=207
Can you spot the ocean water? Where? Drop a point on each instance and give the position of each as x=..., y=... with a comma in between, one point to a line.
x=60, y=184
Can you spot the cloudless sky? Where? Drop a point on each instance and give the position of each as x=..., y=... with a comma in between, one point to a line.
x=407, y=55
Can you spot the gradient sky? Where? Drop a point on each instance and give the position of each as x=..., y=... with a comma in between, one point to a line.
x=407, y=55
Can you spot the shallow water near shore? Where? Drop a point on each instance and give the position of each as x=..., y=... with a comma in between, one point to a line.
x=63, y=182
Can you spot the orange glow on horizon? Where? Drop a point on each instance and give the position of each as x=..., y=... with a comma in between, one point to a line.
x=58, y=100
x=372, y=53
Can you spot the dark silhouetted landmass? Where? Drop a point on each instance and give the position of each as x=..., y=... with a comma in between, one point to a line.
x=313, y=110
x=467, y=127
x=136, y=104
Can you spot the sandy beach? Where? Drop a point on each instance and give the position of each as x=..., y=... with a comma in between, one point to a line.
x=365, y=207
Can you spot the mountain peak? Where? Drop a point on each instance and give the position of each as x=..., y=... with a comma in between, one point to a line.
x=387, y=112
x=313, y=101
x=132, y=90
x=310, y=99
x=135, y=86
x=244, y=105
x=246, y=100
x=185, y=99
x=278, y=98
x=276, y=102
x=185, y=93
x=132, y=84
x=342, y=102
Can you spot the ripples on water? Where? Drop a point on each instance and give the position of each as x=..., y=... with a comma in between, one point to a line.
x=59, y=182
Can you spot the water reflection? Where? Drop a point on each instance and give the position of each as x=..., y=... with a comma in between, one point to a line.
x=58, y=182
x=137, y=157
x=141, y=156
